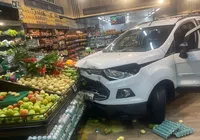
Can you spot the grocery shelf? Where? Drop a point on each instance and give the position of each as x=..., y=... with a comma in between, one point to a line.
x=43, y=26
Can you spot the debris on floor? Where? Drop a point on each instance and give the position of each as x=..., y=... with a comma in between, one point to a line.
x=121, y=138
x=180, y=121
x=168, y=128
x=142, y=131
x=151, y=126
x=107, y=131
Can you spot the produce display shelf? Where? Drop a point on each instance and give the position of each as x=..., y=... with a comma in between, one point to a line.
x=40, y=127
x=43, y=26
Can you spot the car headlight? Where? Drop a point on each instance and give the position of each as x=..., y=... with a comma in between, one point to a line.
x=114, y=74
x=121, y=72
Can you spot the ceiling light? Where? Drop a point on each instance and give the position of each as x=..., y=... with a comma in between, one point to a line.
x=153, y=13
x=127, y=14
x=157, y=9
x=161, y=1
x=1, y=23
x=99, y=18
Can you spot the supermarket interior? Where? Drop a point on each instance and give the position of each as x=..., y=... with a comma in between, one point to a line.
x=99, y=69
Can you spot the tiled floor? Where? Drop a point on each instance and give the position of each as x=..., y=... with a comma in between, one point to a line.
x=186, y=108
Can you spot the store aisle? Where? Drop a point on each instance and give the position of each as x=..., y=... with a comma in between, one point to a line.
x=185, y=107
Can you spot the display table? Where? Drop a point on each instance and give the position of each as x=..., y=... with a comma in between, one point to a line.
x=60, y=124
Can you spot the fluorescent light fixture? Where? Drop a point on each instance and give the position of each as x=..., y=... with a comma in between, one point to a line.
x=1, y=23
x=151, y=45
x=161, y=1
x=153, y=13
x=157, y=9
x=99, y=18
x=145, y=33
x=136, y=27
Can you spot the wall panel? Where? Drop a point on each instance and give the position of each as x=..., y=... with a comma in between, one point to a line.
x=185, y=6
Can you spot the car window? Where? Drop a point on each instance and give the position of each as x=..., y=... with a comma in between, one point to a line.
x=140, y=39
x=180, y=35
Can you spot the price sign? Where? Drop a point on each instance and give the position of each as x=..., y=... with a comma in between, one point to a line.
x=74, y=88
x=15, y=4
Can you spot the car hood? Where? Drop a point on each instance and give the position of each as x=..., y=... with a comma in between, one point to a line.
x=102, y=60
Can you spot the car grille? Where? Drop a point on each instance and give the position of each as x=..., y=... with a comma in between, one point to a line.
x=95, y=86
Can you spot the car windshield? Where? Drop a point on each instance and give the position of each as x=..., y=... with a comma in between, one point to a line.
x=140, y=40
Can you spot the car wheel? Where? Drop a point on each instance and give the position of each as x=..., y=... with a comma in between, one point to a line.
x=158, y=105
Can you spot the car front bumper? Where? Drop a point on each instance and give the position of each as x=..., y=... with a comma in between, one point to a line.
x=135, y=110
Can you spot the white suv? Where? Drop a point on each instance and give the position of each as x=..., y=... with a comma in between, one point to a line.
x=139, y=72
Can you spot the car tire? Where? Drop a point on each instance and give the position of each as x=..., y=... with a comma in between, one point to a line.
x=158, y=105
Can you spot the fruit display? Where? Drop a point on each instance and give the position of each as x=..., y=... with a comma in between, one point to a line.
x=112, y=32
x=10, y=32
x=58, y=84
x=4, y=94
x=34, y=107
x=33, y=32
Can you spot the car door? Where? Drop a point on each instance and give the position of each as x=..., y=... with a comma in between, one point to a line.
x=187, y=69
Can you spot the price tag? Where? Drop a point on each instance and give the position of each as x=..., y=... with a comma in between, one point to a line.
x=74, y=88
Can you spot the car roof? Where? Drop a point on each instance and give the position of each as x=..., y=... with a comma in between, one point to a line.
x=167, y=21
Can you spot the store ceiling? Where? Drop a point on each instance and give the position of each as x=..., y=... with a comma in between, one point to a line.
x=134, y=17
x=134, y=14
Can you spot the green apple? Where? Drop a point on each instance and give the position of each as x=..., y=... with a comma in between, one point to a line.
x=36, y=118
x=48, y=98
x=53, y=98
x=1, y=112
x=16, y=118
x=42, y=111
x=26, y=105
x=46, y=94
x=30, y=107
x=43, y=106
x=49, y=104
x=32, y=112
x=36, y=108
x=5, y=109
x=30, y=103
x=42, y=92
x=45, y=102
x=25, y=99
x=2, y=117
x=16, y=109
x=41, y=117
x=9, y=112
x=38, y=103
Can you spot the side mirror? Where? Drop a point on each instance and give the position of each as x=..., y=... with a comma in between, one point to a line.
x=183, y=53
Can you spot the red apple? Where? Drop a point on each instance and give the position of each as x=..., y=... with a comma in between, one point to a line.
x=30, y=93
x=15, y=105
x=33, y=100
x=10, y=107
x=23, y=113
x=30, y=96
x=36, y=92
x=1, y=98
x=20, y=102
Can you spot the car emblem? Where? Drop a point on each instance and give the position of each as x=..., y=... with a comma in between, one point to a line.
x=88, y=71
